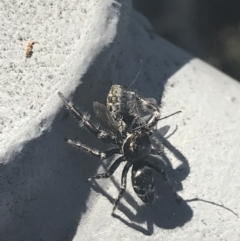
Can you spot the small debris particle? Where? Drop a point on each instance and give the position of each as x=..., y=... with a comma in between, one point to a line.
x=28, y=49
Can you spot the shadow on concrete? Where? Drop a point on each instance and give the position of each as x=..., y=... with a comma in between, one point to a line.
x=43, y=190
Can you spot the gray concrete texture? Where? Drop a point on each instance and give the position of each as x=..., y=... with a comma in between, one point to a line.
x=83, y=47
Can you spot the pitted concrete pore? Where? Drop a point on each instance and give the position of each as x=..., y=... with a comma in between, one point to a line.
x=69, y=37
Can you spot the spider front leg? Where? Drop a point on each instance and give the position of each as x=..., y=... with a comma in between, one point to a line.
x=123, y=185
x=110, y=171
x=165, y=176
x=94, y=152
x=85, y=120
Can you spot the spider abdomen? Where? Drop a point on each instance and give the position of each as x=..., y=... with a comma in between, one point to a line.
x=143, y=182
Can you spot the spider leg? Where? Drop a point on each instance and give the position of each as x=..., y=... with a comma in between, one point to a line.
x=123, y=185
x=110, y=171
x=94, y=152
x=165, y=176
x=85, y=120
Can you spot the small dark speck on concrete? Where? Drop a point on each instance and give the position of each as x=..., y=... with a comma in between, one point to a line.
x=233, y=99
x=180, y=169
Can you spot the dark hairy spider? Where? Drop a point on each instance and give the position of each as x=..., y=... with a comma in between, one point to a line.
x=130, y=134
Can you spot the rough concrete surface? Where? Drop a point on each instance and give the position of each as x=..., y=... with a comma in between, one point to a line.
x=83, y=48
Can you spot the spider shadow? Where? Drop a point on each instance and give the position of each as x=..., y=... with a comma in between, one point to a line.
x=184, y=168
x=165, y=212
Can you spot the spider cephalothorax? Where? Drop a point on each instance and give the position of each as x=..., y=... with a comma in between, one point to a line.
x=130, y=134
x=137, y=146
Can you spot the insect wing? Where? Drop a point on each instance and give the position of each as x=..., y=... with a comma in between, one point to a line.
x=140, y=105
x=105, y=117
x=146, y=105
x=151, y=101
x=142, y=182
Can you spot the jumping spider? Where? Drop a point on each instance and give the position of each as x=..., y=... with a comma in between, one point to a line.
x=130, y=134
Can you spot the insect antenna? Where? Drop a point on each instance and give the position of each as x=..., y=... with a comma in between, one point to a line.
x=136, y=76
x=177, y=112
x=213, y=203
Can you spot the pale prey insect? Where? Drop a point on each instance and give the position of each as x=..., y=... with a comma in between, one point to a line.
x=130, y=135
